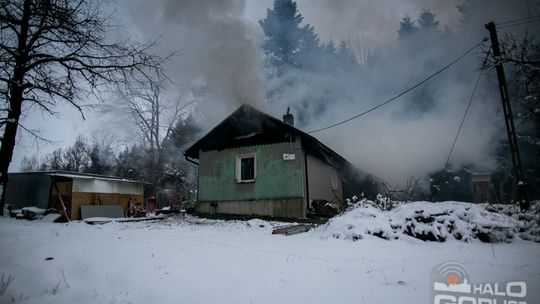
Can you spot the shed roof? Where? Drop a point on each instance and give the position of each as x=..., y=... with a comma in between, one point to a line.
x=249, y=126
x=93, y=176
x=78, y=175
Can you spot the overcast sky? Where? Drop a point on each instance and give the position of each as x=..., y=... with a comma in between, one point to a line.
x=218, y=40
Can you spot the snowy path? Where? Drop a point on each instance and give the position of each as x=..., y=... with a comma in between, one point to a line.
x=178, y=261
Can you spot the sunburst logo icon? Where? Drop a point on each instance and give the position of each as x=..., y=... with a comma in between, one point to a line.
x=453, y=279
x=451, y=276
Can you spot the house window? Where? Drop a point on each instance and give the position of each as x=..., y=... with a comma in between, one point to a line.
x=246, y=168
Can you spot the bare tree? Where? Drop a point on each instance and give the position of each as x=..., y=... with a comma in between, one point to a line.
x=105, y=139
x=521, y=56
x=53, y=51
x=29, y=164
x=77, y=157
x=406, y=194
x=144, y=108
x=54, y=160
x=154, y=117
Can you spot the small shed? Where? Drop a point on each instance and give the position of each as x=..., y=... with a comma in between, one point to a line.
x=254, y=164
x=48, y=189
x=482, y=188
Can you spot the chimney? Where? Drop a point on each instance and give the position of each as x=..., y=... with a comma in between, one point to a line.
x=288, y=118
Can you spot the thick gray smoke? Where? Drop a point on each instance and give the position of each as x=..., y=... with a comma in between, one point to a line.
x=217, y=55
x=219, y=52
x=400, y=141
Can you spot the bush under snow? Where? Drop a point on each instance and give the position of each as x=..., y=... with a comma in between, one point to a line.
x=528, y=222
x=431, y=222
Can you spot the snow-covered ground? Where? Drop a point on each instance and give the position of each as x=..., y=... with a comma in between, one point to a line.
x=191, y=260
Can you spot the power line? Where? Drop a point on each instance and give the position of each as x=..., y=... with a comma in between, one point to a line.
x=404, y=92
x=466, y=110
x=517, y=24
x=461, y=124
x=518, y=20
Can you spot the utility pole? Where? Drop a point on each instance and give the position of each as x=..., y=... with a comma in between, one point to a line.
x=521, y=187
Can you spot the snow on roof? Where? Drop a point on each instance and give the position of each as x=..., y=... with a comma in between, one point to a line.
x=78, y=175
x=105, y=178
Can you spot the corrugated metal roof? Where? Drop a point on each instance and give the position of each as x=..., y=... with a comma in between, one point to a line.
x=79, y=175
x=87, y=176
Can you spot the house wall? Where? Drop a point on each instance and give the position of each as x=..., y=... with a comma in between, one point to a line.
x=320, y=182
x=288, y=208
x=279, y=184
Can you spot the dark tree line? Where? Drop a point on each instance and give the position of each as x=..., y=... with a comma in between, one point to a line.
x=297, y=61
x=135, y=162
x=289, y=45
x=422, y=34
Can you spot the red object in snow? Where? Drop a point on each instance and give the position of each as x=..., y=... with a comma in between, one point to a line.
x=151, y=204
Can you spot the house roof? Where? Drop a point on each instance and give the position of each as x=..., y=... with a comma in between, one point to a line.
x=248, y=126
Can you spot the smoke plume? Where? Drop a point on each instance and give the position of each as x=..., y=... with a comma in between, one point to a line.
x=220, y=55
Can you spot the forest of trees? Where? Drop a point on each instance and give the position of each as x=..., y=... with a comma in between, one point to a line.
x=296, y=58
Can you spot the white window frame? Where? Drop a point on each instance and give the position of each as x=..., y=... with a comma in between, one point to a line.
x=238, y=166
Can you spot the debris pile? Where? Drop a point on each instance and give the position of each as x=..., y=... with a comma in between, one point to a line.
x=35, y=213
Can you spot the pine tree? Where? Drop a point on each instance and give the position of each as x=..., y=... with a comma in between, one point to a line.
x=101, y=160
x=306, y=73
x=427, y=21
x=329, y=59
x=184, y=132
x=287, y=43
x=95, y=161
x=130, y=163
x=423, y=35
x=282, y=31
x=407, y=28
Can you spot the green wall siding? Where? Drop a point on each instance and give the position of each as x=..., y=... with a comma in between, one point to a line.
x=276, y=178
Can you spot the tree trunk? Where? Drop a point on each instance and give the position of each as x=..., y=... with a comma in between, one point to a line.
x=15, y=103
x=8, y=141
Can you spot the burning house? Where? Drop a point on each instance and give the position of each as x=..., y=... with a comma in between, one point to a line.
x=256, y=165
